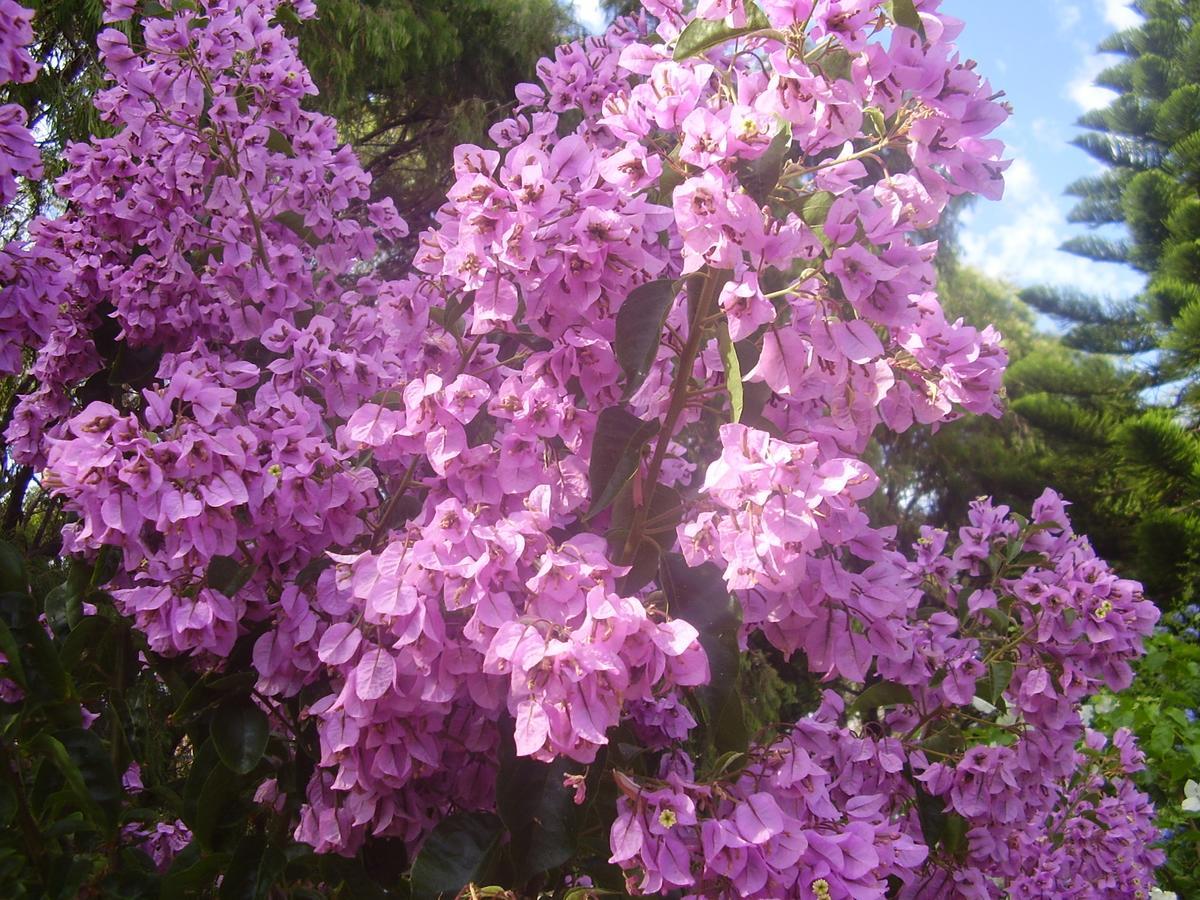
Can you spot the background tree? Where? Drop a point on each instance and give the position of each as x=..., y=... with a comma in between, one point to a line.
x=1148, y=138
x=1107, y=407
x=371, y=62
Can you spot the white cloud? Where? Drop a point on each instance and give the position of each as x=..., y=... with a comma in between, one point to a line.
x=1081, y=88
x=1119, y=14
x=1049, y=133
x=1020, y=181
x=1068, y=17
x=1023, y=248
x=590, y=15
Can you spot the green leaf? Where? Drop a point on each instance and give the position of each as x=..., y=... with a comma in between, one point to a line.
x=760, y=176
x=56, y=604
x=8, y=646
x=816, y=208
x=295, y=222
x=8, y=804
x=538, y=811
x=51, y=748
x=208, y=690
x=239, y=732
x=616, y=453
x=835, y=63
x=672, y=177
x=875, y=116
x=1000, y=674
x=93, y=760
x=455, y=854
x=640, y=322
x=931, y=811
x=227, y=575
x=662, y=517
x=882, y=693
x=701, y=34
x=217, y=806
x=699, y=596
x=955, y=835
x=193, y=872
x=255, y=867
x=48, y=679
x=946, y=741
x=733, y=372
x=904, y=13
x=85, y=640
x=999, y=619
x=277, y=142
x=814, y=213
x=13, y=576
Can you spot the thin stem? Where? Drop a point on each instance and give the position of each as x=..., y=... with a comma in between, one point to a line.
x=679, y=402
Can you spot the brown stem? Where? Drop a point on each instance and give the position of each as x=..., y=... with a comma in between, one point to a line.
x=679, y=401
x=29, y=827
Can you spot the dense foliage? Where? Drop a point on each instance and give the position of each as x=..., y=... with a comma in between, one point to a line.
x=515, y=537
x=1137, y=431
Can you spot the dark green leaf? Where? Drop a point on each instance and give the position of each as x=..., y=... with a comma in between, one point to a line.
x=931, y=811
x=52, y=749
x=208, y=690
x=277, y=142
x=12, y=569
x=239, y=732
x=956, y=835
x=883, y=693
x=55, y=604
x=192, y=872
x=999, y=619
x=616, y=452
x=216, y=806
x=1000, y=673
x=701, y=35
x=699, y=596
x=93, y=760
x=455, y=855
x=8, y=646
x=227, y=575
x=640, y=322
x=538, y=811
x=8, y=804
x=295, y=222
x=759, y=176
x=255, y=867
x=658, y=533
x=86, y=639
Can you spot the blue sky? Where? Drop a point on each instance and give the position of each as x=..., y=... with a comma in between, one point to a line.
x=1041, y=53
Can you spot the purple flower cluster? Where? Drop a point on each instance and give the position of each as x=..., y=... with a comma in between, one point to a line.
x=394, y=487
x=839, y=806
x=19, y=158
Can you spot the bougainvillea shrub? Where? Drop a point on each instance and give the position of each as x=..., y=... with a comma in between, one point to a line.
x=536, y=513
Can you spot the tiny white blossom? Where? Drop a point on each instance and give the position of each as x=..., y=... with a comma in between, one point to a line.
x=983, y=706
x=1087, y=714
x=1156, y=894
x=1191, y=796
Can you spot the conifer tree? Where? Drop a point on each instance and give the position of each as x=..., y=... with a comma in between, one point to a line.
x=1148, y=138
x=1128, y=407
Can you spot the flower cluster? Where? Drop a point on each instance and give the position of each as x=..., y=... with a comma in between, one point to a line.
x=668, y=310
x=19, y=158
x=983, y=737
